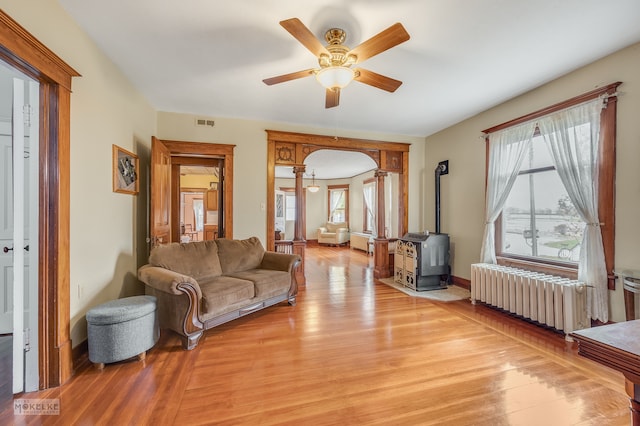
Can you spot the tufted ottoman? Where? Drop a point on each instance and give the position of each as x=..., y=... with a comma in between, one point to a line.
x=121, y=329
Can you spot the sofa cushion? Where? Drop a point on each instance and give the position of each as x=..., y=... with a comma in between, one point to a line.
x=220, y=294
x=268, y=282
x=198, y=259
x=239, y=255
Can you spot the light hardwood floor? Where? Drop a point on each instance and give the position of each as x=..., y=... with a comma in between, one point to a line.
x=352, y=352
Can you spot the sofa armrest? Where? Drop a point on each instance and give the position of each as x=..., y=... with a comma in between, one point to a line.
x=279, y=261
x=283, y=262
x=166, y=280
x=182, y=317
x=342, y=230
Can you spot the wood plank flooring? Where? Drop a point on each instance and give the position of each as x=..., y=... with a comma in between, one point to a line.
x=352, y=352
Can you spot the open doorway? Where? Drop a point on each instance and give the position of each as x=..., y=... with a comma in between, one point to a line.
x=292, y=149
x=200, y=198
x=19, y=156
x=191, y=191
x=22, y=51
x=339, y=180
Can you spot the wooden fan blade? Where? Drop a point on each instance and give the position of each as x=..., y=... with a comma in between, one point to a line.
x=392, y=36
x=376, y=80
x=288, y=77
x=297, y=29
x=333, y=98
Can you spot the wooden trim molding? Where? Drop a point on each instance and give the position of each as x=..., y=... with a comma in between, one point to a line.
x=606, y=176
x=344, y=187
x=593, y=94
x=291, y=149
x=23, y=51
x=201, y=153
x=461, y=282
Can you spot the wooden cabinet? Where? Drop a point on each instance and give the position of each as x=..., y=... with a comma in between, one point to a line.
x=210, y=232
x=211, y=200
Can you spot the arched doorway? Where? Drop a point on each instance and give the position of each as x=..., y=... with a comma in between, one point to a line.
x=291, y=149
x=334, y=173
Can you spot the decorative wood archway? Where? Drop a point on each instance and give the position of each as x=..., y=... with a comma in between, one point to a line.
x=291, y=149
x=24, y=52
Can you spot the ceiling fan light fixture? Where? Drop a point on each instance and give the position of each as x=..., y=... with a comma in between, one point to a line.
x=335, y=77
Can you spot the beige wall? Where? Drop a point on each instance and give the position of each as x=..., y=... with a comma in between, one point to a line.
x=108, y=230
x=197, y=181
x=463, y=189
x=250, y=169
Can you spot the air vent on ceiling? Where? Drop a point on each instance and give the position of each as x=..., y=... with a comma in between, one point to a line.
x=204, y=122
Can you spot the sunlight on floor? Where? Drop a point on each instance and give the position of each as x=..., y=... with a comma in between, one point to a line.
x=528, y=401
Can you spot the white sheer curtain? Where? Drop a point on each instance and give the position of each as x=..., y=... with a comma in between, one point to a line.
x=507, y=149
x=389, y=205
x=572, y=136
x=369, y=192
x=336, y=198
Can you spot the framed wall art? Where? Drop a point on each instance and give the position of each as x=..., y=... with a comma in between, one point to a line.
x=125, y=171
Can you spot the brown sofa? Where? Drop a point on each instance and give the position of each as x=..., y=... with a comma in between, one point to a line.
x=202, y=284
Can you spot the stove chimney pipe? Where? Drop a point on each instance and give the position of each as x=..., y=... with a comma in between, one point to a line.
x=442, y=169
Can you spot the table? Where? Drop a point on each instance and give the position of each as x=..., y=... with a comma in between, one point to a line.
x=616, y=346
x=631, y=285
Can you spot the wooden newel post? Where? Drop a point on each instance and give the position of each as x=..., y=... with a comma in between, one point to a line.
x=299, y=244
x=381, y=243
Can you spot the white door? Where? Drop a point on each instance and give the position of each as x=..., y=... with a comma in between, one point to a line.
x=6, y=228
x=19, y=233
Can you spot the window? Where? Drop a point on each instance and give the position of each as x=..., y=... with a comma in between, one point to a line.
x=369, y=206
x=290, y=206
x=338, y=203
x=538, y=219
x=538, y=181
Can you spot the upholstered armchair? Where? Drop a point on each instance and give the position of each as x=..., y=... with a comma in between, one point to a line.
x=333, y=233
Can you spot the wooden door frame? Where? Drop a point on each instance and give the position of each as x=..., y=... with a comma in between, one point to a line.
x=224, y=152
x=176, y=190
x=23, y=51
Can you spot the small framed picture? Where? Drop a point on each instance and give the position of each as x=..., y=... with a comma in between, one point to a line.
x=125, y=171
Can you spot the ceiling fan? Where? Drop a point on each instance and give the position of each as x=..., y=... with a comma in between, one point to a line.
x=336, y=59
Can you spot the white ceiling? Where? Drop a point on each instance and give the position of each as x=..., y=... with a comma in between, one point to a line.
x=209, y=57
x=331, y=164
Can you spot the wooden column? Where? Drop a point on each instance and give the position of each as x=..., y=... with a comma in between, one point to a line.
x=299, y=244
x=381, y=243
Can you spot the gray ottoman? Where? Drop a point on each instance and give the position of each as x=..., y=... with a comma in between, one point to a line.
x=121, y=329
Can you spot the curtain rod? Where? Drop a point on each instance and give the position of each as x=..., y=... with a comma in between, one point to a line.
x=609, y=90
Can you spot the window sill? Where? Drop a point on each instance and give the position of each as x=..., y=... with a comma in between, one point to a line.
x=561, y=271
